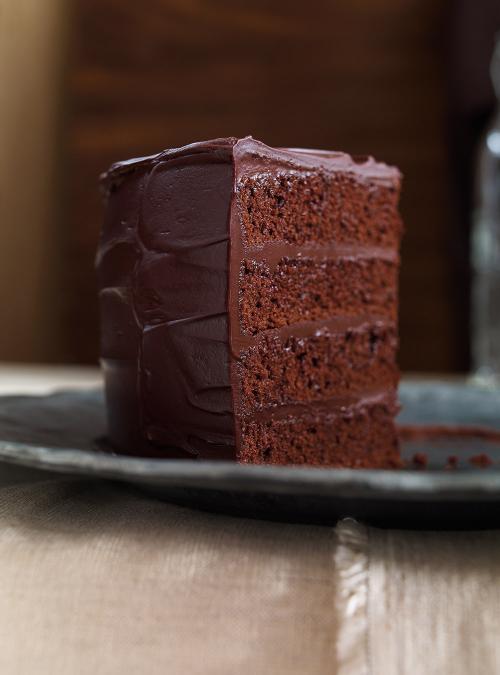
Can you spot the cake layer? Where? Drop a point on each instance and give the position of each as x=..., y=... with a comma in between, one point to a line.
x=307, y=289
x=362, y=436
x=279, y=369
x=300, y=207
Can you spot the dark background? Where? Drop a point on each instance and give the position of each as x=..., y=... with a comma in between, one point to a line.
x=404, y=80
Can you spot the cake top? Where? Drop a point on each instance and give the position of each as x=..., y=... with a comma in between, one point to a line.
x=254, y=156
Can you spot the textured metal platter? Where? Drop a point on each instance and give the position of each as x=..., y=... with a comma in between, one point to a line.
x=57, y=433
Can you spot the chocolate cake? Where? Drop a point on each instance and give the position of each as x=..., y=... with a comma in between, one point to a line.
x=249, y=305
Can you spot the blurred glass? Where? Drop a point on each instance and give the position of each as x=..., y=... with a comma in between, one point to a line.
x=485, y=247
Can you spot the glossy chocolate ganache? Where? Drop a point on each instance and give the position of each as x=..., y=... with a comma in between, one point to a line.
x=248, y=303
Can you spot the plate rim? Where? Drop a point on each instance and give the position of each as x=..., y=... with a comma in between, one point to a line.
x=427, y=485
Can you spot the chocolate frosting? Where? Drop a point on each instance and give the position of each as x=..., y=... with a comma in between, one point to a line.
x=168, y=265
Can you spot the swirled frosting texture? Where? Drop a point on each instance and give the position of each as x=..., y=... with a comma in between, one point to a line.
x=163, y=270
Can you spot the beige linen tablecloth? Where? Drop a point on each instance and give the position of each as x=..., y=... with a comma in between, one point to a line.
x=98, y=578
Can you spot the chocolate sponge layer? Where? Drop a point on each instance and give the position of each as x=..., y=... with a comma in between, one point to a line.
x=312, y=206
x=359, y=436
x=307, y=290
x=280, y=370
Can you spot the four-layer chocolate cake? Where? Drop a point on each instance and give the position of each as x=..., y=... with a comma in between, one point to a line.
x=249, y=305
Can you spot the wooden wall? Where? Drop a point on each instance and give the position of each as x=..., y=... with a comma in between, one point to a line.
x=355, y=75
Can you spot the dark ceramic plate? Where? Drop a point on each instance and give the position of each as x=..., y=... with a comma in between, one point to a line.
x=57, y=433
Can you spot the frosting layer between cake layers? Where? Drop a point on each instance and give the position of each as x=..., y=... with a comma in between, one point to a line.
x=249, y=301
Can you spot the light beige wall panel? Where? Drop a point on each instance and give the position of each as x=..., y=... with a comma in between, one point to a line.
x=32, y=50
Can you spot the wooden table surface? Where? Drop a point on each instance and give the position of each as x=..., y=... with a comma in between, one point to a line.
x=98, y=578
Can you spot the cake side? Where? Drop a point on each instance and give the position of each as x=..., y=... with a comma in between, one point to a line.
x=162, y=266
x=120, y=334
x=314, y=259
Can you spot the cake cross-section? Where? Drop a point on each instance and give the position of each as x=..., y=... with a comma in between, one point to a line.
x=248, y=302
